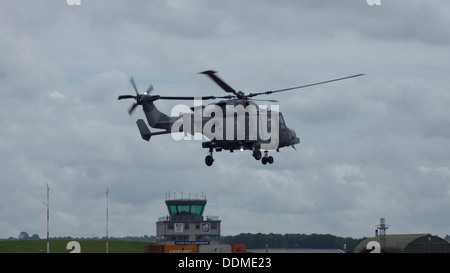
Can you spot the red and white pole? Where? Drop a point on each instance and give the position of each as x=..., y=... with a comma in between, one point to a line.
x=48, y=217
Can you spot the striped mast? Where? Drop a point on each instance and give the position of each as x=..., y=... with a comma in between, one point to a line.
x=107, y=193
x=48, y=217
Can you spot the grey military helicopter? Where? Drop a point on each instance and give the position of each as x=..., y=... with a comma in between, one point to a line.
x=234, y=123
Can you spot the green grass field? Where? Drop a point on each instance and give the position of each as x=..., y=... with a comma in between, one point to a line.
x=59, y=246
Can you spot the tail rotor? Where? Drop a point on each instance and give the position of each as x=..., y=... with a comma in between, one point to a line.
x=138, y=96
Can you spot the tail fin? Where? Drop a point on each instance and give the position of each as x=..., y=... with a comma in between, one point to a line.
x=143, y=129
x=155, y=118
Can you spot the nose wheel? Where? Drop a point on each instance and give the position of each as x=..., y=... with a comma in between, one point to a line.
x=266, y=159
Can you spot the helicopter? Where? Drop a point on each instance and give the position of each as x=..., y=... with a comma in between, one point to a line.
x=236, y=122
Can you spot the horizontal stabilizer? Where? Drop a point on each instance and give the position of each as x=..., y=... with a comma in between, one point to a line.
x=143, y=129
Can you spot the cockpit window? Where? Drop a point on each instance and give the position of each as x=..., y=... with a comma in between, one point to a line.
x=282, y=123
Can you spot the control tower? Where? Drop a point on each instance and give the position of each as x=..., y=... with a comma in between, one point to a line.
x=186, y=225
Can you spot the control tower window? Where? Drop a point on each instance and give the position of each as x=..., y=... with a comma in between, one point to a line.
x=186, y=209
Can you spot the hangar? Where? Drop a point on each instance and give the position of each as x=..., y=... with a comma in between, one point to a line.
x=408, y=243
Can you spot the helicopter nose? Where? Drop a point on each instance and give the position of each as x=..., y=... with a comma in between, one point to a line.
x=294, y=138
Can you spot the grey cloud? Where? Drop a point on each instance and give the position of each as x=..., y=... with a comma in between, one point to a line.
x=378, y=139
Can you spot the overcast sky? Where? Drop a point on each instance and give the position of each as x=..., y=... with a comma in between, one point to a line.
x=371, y=147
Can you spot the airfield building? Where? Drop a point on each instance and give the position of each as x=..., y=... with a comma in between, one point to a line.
x=186, y=225
x=408, y=243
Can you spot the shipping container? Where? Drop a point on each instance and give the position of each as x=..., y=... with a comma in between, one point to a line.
x=214, y=248
x=239, y=248
x=154, y=249
x=181, y=249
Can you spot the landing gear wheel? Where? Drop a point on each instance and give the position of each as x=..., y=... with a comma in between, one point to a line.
x=267, y=159
x=209, y=160
x=257, y=155
x=264, y=160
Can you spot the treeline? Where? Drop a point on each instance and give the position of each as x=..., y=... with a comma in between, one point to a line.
x=312, y=241
x=144, y=238
x=24, y=236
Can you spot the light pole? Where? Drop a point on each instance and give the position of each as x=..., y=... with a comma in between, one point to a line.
x=107, y=193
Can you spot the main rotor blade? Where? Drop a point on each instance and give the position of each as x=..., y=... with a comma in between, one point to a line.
x=219, y=81
x=302, y=86
x=265, y=100
x=195, y=98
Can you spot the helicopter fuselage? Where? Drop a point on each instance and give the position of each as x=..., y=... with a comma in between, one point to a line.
x=233, y=124
x=225, y=121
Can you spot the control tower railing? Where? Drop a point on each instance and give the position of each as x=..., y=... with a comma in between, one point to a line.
x=188, y=218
